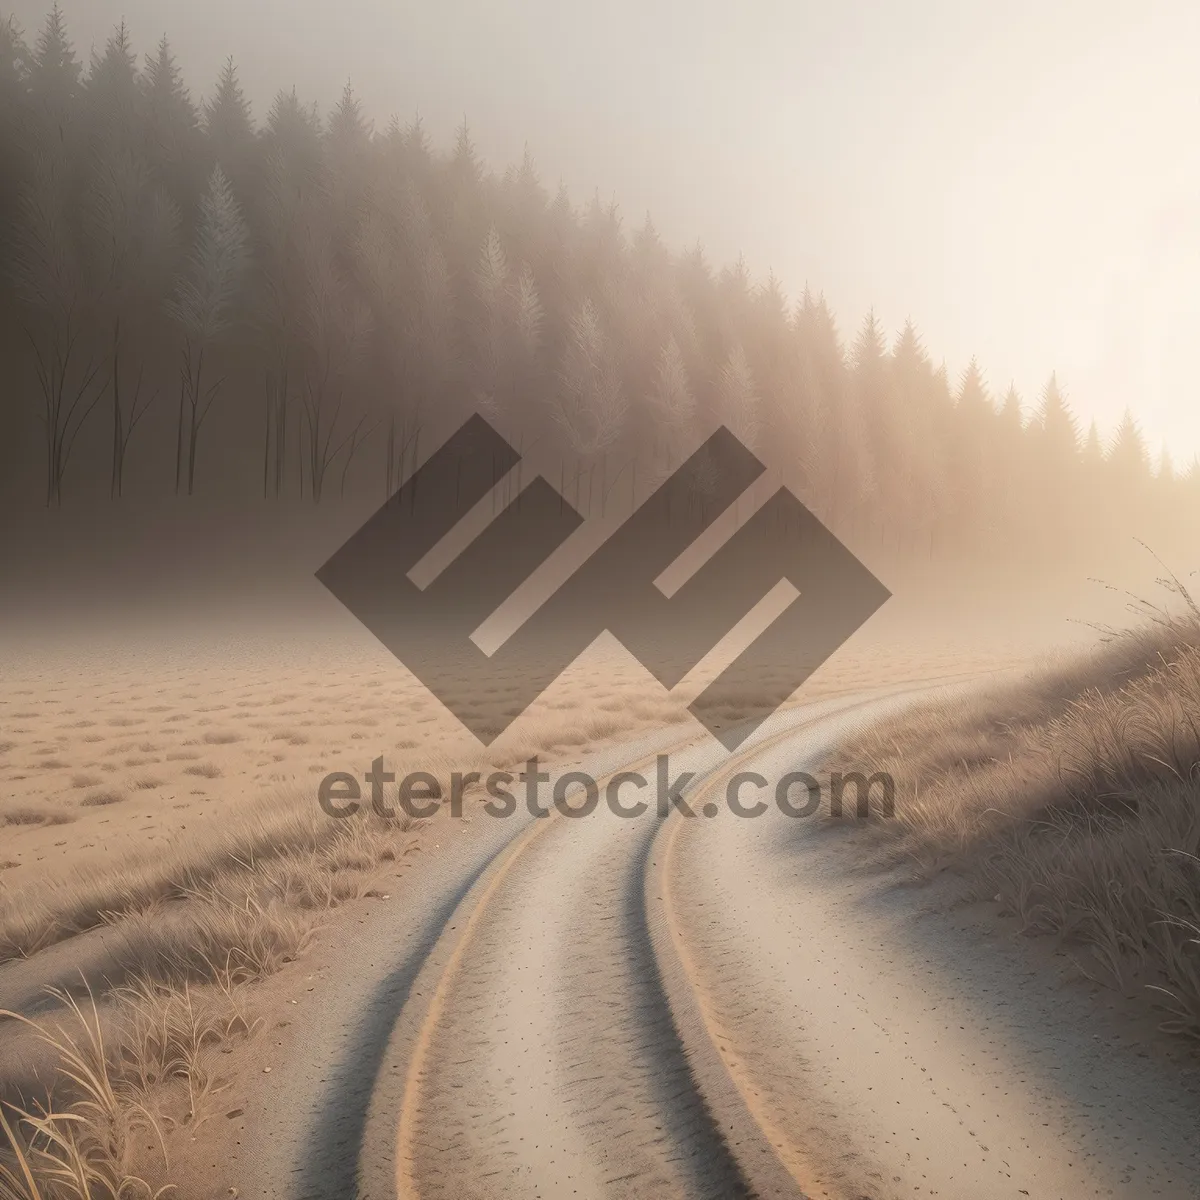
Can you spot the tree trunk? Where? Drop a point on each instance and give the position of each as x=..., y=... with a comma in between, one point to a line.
x=118, y=422
x=179, y=435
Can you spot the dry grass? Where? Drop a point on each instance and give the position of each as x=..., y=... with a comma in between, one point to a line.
x=196, y=929
x=79, y=1145
x=98, y=1129
x=289, y=830
x=29, y=814
x=1073, y=799
x=207, y=770
x=103, y=798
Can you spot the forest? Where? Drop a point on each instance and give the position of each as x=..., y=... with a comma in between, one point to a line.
x=194, y=299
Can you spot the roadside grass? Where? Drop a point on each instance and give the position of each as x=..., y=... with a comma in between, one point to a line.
x=1072, y=799
x=196, y=931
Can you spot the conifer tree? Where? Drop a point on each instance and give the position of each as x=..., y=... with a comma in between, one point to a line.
x=1128, y=461
x=229, y=129
x=589, y=405
x=54, y=77
x=1092, y=456
x=738, y=402
x=203, y=307
x=111, y=91
x=15, y=64
x=170, y=129
x=1057, y=424
x=493, y=329
x=972, y=483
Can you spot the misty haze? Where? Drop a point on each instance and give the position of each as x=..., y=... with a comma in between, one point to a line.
x=599, y=603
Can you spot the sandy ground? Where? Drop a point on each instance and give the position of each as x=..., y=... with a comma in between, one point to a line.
x=115, y=741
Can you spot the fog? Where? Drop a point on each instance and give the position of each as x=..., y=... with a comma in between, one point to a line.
x=1021, y=180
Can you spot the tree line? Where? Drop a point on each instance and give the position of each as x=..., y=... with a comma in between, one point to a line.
x=281, y=308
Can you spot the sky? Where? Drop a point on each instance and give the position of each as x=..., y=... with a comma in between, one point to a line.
x=1021, y=179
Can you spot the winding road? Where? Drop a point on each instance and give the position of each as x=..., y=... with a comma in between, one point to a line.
x=714, y=1006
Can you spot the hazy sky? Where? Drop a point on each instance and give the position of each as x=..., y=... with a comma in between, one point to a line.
x=1022, y=178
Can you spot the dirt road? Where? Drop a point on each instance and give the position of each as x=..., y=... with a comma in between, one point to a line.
x=718, y=1006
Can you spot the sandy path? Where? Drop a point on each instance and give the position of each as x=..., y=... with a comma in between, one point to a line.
x=323, y=1106
x=539, y=1056
x=900, y=1056
x=716, y=1007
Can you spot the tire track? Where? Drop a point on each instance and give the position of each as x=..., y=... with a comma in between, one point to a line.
x=540, y=1055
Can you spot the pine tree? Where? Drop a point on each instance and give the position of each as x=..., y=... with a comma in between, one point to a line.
x=229, y=125
x=1093, y=450
x=971, y=482
x=338, y=329
x=671, y=399
x=870, y=348
x=347, y=144
x=347, y=126
x=15, y=62
x=1056, y=422
x=466, y=171
x=589, y=404
x=530, y=195
x=294, y=133
x=164, y=90
x=877, y=423
x=493, y=333
x=822, y=412
x=111, y=90
x=15, y=65
x=1127, y=458
x=1011, y=417
x=972, y=398
x=738, y=402
x=131, y=235
x=170, y=125
x=529, y=313
x=649, y=258
x=910, y=362
x=918, y=473
x=203, y=306
x=733, y=292
x=54, y=75
x=418, y=156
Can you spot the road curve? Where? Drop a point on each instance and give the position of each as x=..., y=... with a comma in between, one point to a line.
x=651, y=1007
x=886, y=1051
x=539, y=1054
